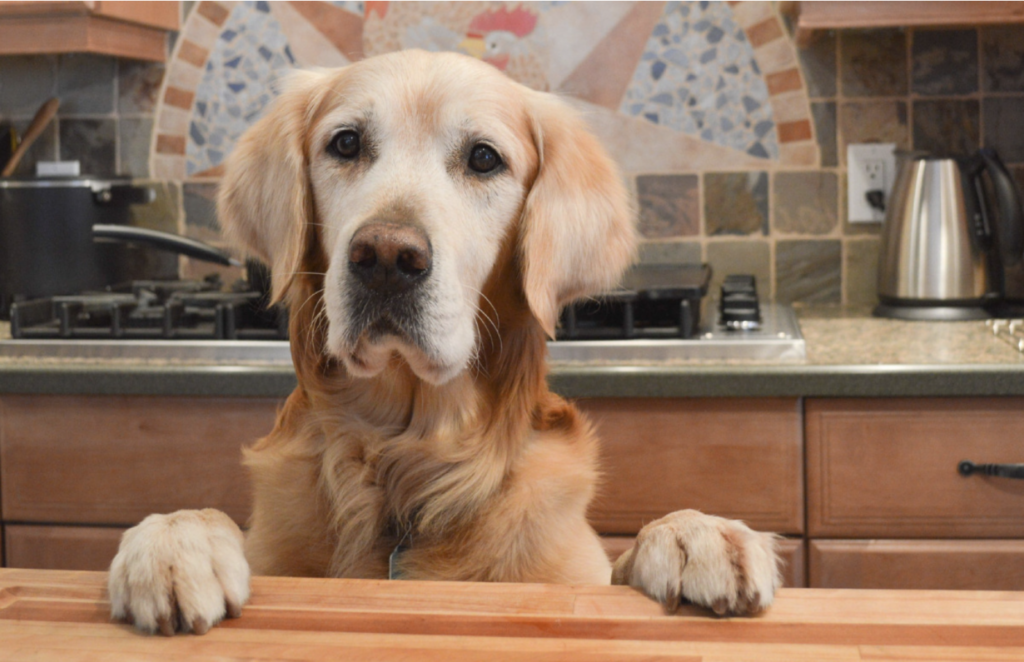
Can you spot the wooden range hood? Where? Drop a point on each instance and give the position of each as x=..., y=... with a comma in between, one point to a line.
x=135, y=30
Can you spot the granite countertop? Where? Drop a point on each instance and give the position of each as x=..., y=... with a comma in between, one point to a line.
x=849, y=354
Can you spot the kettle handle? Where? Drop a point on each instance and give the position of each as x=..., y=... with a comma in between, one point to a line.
x=1011, y=216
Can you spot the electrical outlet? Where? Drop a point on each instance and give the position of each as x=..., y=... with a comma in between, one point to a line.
x=869, y=167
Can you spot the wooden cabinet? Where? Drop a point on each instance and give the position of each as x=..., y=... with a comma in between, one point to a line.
x=60, y=547
x=116, y=459
x=980, y=565
x=815, y=16
x=887, y=470
x=737, y=458
x=136, y=30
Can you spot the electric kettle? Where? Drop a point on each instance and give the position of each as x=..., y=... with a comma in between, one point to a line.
x=944, y=254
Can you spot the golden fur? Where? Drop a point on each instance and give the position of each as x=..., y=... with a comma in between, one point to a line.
x=464, y=456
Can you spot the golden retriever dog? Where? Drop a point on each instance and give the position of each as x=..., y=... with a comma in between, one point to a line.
x=425, y=218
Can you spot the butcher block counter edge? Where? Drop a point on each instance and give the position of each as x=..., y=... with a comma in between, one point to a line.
x=570, y=381
x=836, y=617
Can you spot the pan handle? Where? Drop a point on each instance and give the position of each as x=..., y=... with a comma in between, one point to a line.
x=165, y=241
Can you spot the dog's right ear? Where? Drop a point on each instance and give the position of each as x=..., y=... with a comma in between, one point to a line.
x=264, y=203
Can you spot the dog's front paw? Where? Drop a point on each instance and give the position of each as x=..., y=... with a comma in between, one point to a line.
x=713, y=562
x=180, y=572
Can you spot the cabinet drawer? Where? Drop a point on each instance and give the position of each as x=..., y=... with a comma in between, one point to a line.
x=981, y=565
x=888, y=468
x=60, y=547
x=114, y=460
x=735, y=458
x=793, y=552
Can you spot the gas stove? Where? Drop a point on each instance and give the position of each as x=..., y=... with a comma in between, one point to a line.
x=657, y=314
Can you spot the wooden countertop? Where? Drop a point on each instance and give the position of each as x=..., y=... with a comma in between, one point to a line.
x=54, y=615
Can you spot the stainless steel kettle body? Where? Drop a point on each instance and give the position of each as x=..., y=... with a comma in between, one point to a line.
x=936, y=260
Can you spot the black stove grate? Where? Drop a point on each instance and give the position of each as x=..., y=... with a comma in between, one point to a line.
x=153, y=310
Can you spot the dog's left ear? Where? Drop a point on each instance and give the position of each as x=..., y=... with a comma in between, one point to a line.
x=578, y=234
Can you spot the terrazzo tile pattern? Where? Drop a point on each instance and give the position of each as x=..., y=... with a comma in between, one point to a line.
x=669, y=205
x=1002, y=58
x=805, y=202
x=947, y=127
x=808, y=271
x=945, y=62
x=736, y=203
x=237, y=85
x=698, y=75
x=873, y=62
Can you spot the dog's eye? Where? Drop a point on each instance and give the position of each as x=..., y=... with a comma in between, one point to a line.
x=483, y=158
x=345, y=144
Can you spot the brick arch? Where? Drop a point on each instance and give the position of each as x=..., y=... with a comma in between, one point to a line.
x=787, y=92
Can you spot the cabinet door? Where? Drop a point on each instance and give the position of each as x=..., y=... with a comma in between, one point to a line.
x=981, y=565
x=888, y=468
x=60, y=547
x=736, y=458
x=792, y=551
x=116, y=459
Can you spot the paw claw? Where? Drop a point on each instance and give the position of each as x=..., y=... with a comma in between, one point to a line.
x=165, y=625
x=720, y=606
x=234, y=610
x=200, y=626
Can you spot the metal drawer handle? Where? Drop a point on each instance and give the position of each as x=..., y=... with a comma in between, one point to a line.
x=966, y=468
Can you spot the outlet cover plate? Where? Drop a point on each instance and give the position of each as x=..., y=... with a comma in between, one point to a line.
x=868, y=166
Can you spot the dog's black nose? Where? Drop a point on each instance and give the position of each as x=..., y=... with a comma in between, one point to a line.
x=389, y=258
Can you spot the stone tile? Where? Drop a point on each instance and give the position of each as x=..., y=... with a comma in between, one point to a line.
x=948, y=127
x=818, y=64
x=873, y=62
x=43, y=149
x=133, y=145
x=1002, y=118
x=162, y=215
x=85, y=84
x=201, y=211
x=1002, y=59
x=26, y=81
x=872, y=121
x=736, y=203
x=742, y=256
x=808, y=271
x=669, y=205
x=944, y=62
x=805, y=202
x=824, y=114
x=861, y=280
x=91, y=143
x=670, y=252
x=138, y=86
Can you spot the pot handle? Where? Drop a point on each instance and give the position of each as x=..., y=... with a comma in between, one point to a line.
x=164, y=241
x=1011, y=216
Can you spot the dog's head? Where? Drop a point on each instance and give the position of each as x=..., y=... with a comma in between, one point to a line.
x=403, y=177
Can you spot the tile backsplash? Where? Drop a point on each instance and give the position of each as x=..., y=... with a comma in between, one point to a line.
x=733, y=139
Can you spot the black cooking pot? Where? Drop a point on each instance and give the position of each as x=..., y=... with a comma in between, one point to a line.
x=62, y=236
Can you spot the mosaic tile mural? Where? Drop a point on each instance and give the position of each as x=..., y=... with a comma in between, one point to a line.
x=698, y=75
x=709, y=80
